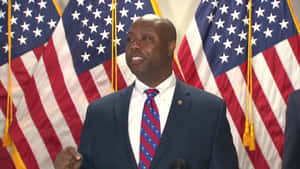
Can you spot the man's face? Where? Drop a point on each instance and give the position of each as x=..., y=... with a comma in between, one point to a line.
x=147, y=51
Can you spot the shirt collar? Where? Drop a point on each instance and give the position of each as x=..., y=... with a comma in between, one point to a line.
x=162, y=87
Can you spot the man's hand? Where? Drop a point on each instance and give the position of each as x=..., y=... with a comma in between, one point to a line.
x=68, y=158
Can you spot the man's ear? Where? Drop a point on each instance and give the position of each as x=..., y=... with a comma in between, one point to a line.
x=172, y=46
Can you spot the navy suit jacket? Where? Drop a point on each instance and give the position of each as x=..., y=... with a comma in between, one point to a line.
x=197, y=131
x=291, y=150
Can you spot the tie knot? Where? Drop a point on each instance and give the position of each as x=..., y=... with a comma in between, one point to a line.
x=151, y=92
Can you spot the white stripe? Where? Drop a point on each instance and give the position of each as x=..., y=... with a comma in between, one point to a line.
x=30, y=131
x=101, y=80
x=66, y=65
x=51, y=107
x=209, y=84
x=262, y=136
x=289, y=62
x=128, y=76
x=30, y=61
x=271, y=91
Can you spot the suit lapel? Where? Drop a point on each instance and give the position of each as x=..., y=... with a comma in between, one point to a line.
x=121, y=115
x=180, y=105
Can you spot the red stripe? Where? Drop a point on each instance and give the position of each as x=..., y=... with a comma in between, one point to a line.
x=147, y=146
x=264, y=109
x=295, y=44
x=36, y=108
x=144, y=159
x=278, y=72
x=60, y=91
x=39, y=51
x=237, y=115
x=150, y=132
x=5, y=159
x=186, y=60
x=88, y=85
x=121, y=82
x=17, y=135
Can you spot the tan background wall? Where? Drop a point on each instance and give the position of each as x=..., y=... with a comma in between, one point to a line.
x=182, y=11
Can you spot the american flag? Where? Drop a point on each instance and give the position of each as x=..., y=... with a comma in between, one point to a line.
x=73, y=70
x=213, y=56
x=32, y=23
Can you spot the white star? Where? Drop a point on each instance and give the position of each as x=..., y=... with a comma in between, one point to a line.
x=243, y=35
x=253, y=41
x=134, y=18
x=216, y=37
x=256, y=27
x=12, y=34
x=215, y=3
x=231, y=29
x=2, y=14
x=227, y=44
x=100, y=48
x=111, y=6
x=37, y=32
x=80, y=2
x=25, y=27
x=259, y=12
x=284, y=24
x=16, y=6
x=246, y=21
x=22, y=40
x=42, y=4
x=224, y=9
x=203, y=1
x=85, y=57
x=75, y=15
x=275, y=4
x=268, y=33
x=14, y=20
x=4, y=2
x=1, y=28
x=39, y=18
x=93, y=28
x=31, y=1
x=117, y=41
x=51, y=24
x=239, y=2
x=235, y=15
x=27, y=12
x=97, y=14
x=89, y=42
x=101, y=2
x=108, y=20
x=80, y=36
x=127, y=1
x=220, y=23
x=104, y=35
x=5, y=48
x=224, y=58
x=89, y=7
x=120, y=27
x=84, y=22
x=210, y=17
x=272, y=18
x=124, y=12
x=239, y=50
x=139, y=5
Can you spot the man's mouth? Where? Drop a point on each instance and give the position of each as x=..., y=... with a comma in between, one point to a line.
x=136, y=60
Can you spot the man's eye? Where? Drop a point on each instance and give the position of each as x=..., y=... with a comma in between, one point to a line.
x=147, y=38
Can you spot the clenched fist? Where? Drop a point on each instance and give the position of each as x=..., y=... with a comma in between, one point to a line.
x=68, y=158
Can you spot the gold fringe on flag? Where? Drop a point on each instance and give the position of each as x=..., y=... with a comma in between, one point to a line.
x=7, y=140
x=249, y=135
x=114, y=50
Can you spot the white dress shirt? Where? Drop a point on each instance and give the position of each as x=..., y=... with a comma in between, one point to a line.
x=163, y=101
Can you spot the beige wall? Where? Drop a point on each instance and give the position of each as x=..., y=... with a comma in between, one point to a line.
x=182, y=11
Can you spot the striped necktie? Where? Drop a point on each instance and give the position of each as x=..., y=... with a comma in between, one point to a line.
x=150, y=130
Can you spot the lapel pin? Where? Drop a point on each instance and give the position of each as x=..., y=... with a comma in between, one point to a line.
x=179, y=102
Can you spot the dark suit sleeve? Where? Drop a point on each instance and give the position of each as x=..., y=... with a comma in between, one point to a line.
x=223, y=154
x=291, y=149
x=85, y=147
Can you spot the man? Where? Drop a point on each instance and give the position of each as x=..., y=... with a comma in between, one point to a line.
x=195, y=131
x=291, y=148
